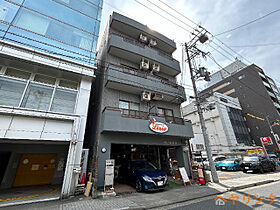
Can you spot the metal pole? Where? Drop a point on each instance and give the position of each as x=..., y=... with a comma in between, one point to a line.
x=203, y=127
x=272, y=132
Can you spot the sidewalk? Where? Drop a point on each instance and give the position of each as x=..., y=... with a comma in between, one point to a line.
x=156, y=199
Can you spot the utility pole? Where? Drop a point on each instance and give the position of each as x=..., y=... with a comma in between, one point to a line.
x=199, y=110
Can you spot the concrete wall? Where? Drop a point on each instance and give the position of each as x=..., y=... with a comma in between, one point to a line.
x=112, y=121
x=32, y=148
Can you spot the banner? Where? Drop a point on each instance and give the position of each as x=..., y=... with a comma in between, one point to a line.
x=257, y=151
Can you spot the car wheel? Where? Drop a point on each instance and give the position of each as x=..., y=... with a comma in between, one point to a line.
x=234, y=168
x=245, y=171
x=139, y=187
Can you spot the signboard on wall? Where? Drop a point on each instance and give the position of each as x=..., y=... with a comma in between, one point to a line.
x=158, y=127
x=266, y=141
x=257, y=151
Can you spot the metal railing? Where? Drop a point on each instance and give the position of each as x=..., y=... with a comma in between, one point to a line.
x=142, y=45
x=145, y=115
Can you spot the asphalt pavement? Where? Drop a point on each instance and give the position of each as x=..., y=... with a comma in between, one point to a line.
x=260, y=197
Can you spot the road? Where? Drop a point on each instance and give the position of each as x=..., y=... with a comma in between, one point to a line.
x=250, y=198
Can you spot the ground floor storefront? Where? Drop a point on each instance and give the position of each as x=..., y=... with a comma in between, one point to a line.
x=27, y=166
x=161, y=151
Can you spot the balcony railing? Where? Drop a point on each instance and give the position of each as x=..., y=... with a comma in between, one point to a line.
x=137, y=72
x=140, y=44
x=145, y=115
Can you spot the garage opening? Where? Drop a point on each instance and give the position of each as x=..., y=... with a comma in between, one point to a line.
x=30, y=171
x=160, y=156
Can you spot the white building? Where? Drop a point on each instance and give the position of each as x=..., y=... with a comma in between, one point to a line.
x=227, y=130
x=43, y=111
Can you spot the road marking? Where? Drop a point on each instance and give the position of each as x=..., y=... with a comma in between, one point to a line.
x=30, y=196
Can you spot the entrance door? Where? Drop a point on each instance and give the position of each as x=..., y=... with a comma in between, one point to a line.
x=35, y=169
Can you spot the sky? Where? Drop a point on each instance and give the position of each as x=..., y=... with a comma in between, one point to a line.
x=216, y=16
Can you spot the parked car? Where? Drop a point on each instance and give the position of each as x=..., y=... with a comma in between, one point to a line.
x=217, y=160
x=257, y=164
x=143, y=175
x=231, y=164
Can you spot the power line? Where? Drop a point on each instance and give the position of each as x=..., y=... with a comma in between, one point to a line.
x=257, y=45
x=250, y=22
x=171, y=15
x=163, y=16
x=182, y=15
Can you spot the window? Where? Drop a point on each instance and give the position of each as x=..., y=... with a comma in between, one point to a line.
x=167, y=113
x=44, y=79
x=199, y=146
x=64, y=101
x=129, y=108
x=164, y=112
x=68, y=84
x=17, y=73
x=43, y=94
x=32, y=22
x=37, y=97
x=11, y=91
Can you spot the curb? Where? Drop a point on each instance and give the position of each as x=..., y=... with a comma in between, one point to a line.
x=252, y=185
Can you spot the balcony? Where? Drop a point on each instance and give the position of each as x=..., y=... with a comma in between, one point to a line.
x=133, y=29
x=133, y=81
x=132, y=121
x=132, y=50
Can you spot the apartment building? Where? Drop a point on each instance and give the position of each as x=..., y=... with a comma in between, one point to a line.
x=47, y=51
x=226, y=127
x=139, y=98
x=258, y=96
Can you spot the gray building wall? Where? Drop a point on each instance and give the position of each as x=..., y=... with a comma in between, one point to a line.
x=247, y=85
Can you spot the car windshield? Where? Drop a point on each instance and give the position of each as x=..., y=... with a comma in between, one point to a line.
x=144, y=166
x=228, y=161
x=251, y=159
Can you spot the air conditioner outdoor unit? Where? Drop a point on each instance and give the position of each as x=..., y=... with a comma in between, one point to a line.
x=144, y=65
x=156, y=68
x=157, y=96
x=143, y=38
x=153, y=42
x=146, y=96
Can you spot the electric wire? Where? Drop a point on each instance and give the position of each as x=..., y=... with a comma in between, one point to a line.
x=248, y=23
x=163, y=16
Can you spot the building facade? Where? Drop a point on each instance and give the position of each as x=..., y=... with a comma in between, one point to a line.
x=46, y=53
x=258, y=97
x=224, y=120
x=138, y=92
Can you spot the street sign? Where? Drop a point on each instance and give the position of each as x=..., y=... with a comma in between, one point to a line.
x=266, y=141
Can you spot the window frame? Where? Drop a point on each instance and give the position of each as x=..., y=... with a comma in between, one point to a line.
x=31, y=81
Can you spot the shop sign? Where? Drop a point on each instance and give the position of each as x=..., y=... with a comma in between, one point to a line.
x=257, y=151
x=158, y=127
x=266, y=140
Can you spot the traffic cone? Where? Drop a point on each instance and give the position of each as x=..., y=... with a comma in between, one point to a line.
x=84, y=178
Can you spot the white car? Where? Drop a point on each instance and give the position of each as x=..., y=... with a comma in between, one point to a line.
x=216, y=159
